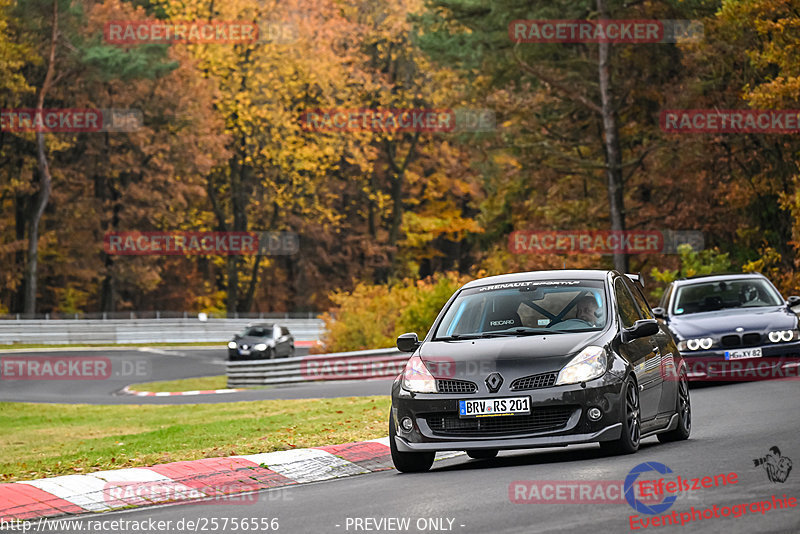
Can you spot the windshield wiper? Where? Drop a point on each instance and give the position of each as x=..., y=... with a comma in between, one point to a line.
x=459, y=336
x=518, y=331
x=522, y=331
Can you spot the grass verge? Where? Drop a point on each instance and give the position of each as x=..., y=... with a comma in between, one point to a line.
x=184, y=384
x=45, y=440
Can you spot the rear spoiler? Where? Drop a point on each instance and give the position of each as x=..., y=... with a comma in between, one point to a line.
x=636, y=278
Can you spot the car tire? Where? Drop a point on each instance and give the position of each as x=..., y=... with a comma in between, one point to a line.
x=628, y=442
x=684, y=410
x=408, y=462
x=291, y=352
x=482, y=454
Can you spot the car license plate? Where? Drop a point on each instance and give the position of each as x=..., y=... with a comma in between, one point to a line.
x=244, y=352
x=742, y=354
x=492, y=407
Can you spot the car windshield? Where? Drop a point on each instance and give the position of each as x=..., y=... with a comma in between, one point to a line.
x=525, y=308
x=258, y=331
x=713, y=296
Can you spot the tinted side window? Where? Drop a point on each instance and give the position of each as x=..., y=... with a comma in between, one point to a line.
x=626, y=306
x=284, y=331
x=641, y=302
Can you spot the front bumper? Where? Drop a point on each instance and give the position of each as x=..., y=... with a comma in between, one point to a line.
x=233, y=354
x=712, y=364
x=572, y=427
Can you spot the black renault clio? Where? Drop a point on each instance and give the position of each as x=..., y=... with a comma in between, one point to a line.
x=538, y=359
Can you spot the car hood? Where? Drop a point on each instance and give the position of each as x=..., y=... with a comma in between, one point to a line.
x=512, y=357
x=727, y=321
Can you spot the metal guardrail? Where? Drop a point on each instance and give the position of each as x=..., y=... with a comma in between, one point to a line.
x=131, y=315
x=356, y=365
x=143, y=330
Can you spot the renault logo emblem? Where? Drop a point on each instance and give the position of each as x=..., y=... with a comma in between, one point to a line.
x=494, y=381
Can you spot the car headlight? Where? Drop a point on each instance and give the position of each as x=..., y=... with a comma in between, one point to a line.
x=591, y=363
x=782, y=335
x=703, y=343
x=260, y=347
x=417, y=378
x=231, y=344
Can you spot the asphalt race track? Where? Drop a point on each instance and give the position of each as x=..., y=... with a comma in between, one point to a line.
x=733, y=425
x=133, y=365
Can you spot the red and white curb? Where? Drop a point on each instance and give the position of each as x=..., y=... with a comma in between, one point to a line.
x=209, y=478
x=128, y=391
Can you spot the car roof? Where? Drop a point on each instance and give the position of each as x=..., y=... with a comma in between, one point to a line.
x=263, y=325
x=565, y=274
x=719, y=277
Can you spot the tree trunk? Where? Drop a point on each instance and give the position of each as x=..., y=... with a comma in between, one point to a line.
x=21, y=207
x=398, y=170
x=616, y=201
x=45, y=181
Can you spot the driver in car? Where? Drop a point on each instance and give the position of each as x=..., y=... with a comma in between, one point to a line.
x=585, y=310
x=750, y=295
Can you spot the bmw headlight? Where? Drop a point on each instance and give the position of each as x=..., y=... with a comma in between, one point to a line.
x=231, y=344
x=703, y=343
x=260, y=347
x=782, y=335
x=591, y=363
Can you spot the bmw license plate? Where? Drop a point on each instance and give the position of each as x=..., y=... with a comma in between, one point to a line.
x=742, y=354
x=492, y=407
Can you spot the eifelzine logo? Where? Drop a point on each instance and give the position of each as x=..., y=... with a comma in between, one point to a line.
x=636, y=504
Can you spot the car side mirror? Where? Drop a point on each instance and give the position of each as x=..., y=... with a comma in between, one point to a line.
x=793, y=301
x=659, y=313
x=641, y=328
x=408, y=342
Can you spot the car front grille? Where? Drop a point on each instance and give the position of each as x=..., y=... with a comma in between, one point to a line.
x=730, y=341
x=534, y=382
x=747, y=340
x=455, y=386
x=540, y=420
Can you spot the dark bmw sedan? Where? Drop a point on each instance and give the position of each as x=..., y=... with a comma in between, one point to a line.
x=261, y=341
x=539, y=359
x=731, y=326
